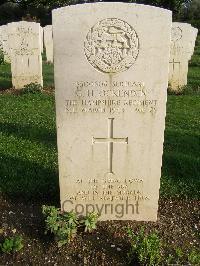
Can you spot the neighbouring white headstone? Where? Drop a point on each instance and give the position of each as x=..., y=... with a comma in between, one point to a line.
x=48, y=42
x=1, y=39
x=111, y=75
x=4, y=44
x=182, y=47
x=194, y=33
x=42, y=39
x=26, y=60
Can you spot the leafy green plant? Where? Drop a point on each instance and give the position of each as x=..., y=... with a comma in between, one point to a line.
x=170, y=259
x=179, y=255
x=68, y=228
x=194, y=257
x=31, y=88
x=12, y=244
x=64, y=225
x=90, y=221
x=51, y=213
x=145, y=248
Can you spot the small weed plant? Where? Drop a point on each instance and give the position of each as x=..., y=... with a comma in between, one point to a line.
x=64, y=225
x=194, y=257
x=31, y=88
x=12, y=244
x=179, y=255
x=90, y=222
x=146, y=249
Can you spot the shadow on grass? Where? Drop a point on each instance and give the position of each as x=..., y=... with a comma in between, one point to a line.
x=181, y=164
x=48, y=75
x=5, y=84
x=29, y=132
x=195, y=81
x=187, y=143
x=5, y=77
x=22, y=179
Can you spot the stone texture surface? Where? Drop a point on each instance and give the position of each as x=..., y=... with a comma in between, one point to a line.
x=194, y=33
x=182, y=48
x=48, y=42
x=4, y=44
x=111, y=74
x=42, y=39
x=25, y=47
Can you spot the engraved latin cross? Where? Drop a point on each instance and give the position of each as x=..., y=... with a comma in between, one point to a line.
x=173, y=62
x=110, y=140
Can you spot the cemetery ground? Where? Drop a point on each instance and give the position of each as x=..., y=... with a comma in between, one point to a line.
x=29, y=179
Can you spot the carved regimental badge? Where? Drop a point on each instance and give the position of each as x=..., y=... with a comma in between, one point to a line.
x=111, y=46
x=176, y=34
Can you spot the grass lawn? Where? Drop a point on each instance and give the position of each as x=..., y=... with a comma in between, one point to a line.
x=29, y=168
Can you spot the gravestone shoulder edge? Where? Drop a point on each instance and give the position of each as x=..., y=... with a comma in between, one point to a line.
x=142, y=7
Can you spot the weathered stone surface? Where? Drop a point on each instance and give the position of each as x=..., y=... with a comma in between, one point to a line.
x=111, y=75
x=42, y=39
x=48, y=42
x=4, y=44
x=182, y=48
x=25, y=47
x=193, y=38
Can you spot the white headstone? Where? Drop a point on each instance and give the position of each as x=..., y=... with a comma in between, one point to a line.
x=1, y=38
x=4, y=44
x=26, y=60
x=111, y=74
x=193, y=38
x=42, y=39
x=48, y=42
x=182, y=47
